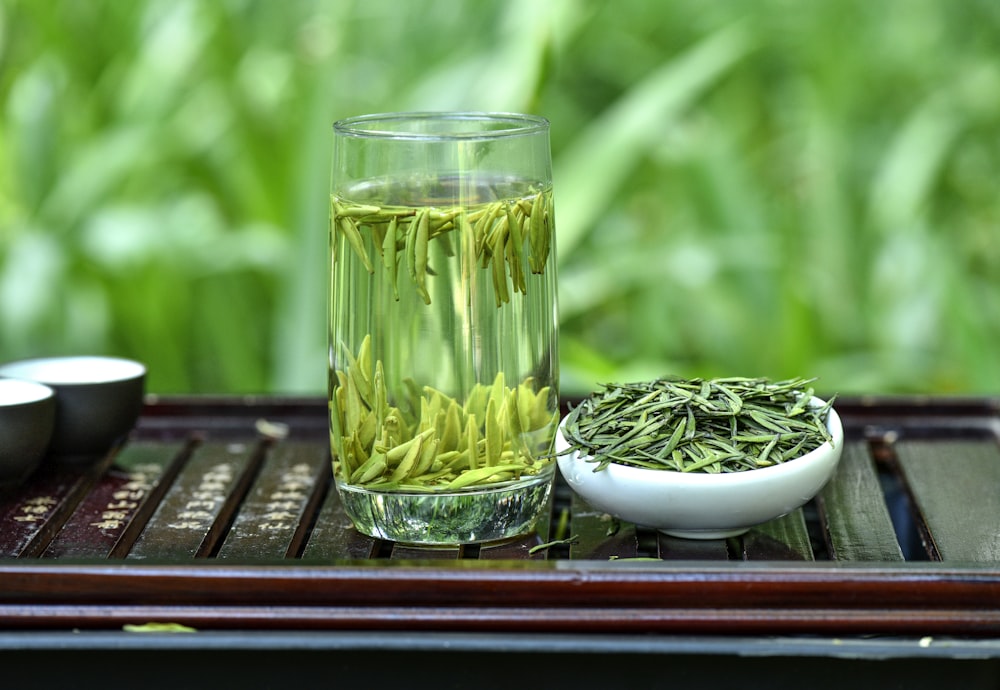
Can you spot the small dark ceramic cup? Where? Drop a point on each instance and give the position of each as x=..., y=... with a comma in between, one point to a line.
x=27, y=418
x=98, y=400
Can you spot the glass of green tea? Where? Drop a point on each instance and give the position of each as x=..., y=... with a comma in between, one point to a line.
x=443, y=325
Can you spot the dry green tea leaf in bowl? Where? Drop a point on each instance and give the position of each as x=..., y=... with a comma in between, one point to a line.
x=698, y=425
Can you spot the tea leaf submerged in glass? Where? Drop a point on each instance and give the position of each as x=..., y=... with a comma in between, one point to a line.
x=443, y=325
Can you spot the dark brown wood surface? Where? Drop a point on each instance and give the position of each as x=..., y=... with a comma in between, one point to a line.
x=201, y=519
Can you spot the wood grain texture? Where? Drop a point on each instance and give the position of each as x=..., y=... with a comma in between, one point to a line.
x=858, y=526
x=955, y=485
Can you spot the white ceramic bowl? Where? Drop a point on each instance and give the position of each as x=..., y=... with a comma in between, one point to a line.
x=98, y=399
x=27, y=417
x=700, y=505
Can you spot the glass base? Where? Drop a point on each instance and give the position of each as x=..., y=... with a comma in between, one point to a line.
x=460, y=517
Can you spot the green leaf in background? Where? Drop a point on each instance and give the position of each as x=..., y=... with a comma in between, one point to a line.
x=593, y=169
x=750, y=188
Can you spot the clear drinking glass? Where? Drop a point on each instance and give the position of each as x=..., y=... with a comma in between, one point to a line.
x=443, y=324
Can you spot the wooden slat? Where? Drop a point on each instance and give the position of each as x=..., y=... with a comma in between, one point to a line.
x=333, y=537
x=599, y=597
x=754, y=584
x=270, y=522
x=854, y=510
x=101, y=519
x=207, y=489
x=956, y=487
x=784, y=538
x=31, y=514
x=598, y=536
x=913, y=622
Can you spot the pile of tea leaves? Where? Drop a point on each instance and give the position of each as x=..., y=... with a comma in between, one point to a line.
x=429, y=441
x=698, y=425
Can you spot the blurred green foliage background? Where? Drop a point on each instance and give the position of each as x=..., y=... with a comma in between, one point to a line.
x=756, y=187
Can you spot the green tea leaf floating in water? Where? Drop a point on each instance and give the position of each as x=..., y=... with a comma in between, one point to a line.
x=499, y=233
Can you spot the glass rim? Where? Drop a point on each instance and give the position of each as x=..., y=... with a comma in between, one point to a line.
x=375, y=125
